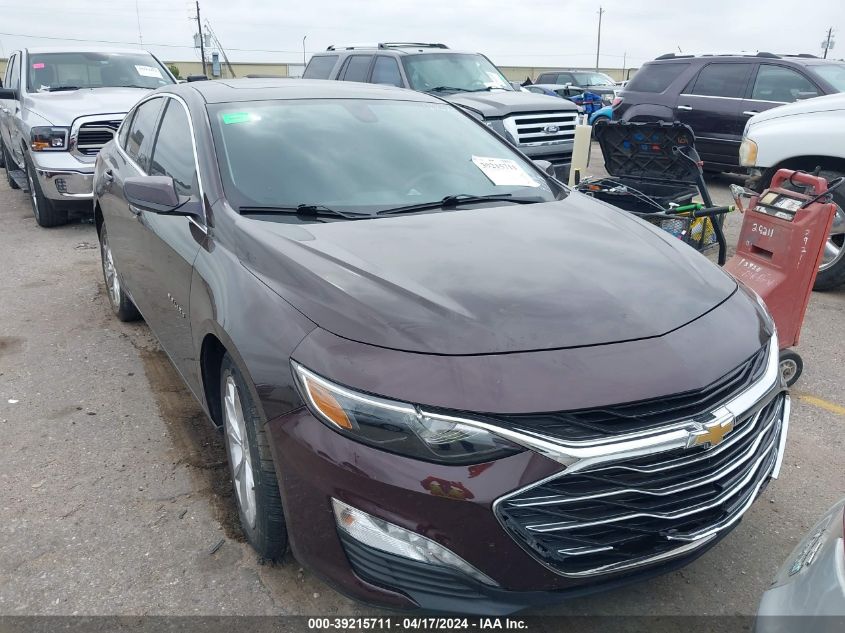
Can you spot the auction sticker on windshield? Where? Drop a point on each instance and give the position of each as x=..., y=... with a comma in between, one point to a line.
x=504, y=172
x=148, y=71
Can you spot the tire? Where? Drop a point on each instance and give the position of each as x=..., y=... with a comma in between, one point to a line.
x=7, y=162
x=832, y=271
x=252, y=467
x=791, y=366
x=47, y=214
x=120, y=302
x=2, y=155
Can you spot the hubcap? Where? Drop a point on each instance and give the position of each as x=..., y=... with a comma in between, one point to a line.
x=834, y=249
x=110, y=273
x=239, y=453
x=788, y=369
x=32, y=192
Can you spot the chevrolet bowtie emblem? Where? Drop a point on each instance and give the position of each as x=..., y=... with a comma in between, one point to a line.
x=712, y=433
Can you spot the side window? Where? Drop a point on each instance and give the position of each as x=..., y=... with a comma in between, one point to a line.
x=14, y=75
x=124, y=130
x=565, y=78
x=784, y=85
x=722, y=80
x=173, y=154
x=357, y=67
x=141, y=132
x=320, y=67
x=656, y=77
x=386, y=71
x=545, y=78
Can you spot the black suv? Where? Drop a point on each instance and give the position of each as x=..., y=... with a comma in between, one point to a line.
x=590, y=80
x=717, y=94
x=542, y=127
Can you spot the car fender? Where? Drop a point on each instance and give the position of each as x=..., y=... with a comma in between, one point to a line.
x=648, y=112
x=816, y=134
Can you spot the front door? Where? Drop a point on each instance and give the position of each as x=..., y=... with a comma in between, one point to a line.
x=711, y=105
x=774, y=85
x=10, y=108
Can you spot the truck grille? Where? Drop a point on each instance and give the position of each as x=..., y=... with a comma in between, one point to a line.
x=92, y=136
x=645, y=509
x=532, y=128
x=607, y=422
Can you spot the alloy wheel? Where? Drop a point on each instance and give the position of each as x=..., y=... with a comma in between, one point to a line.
x=32, y=193
x=788, y=369
x=240, y=456
x=834, y=249
x=110, y=273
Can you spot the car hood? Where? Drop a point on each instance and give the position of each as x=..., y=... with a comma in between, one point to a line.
x=62, y=108
x=826, y=103
x=487, y=280
x=501, y=103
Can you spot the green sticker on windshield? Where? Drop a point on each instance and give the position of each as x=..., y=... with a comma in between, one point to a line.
x=236, y=117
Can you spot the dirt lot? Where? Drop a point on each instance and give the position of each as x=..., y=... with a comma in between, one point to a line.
x=115, y=495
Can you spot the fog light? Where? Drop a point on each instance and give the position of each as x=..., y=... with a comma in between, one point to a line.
x=61, y=185
x=390, y=538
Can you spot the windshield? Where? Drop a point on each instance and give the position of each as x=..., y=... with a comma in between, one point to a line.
x=362, y=156
x=62, y=71
x=593, y=79
x=834, y=74
x=458, y=71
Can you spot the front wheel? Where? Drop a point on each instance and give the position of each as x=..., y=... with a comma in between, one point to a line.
x=251, y=463
x=791, y=366
x=120, y=302
x=47, y=214
x=8, y=163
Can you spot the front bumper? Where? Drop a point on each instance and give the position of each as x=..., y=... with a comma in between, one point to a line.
x=63, y=177
x=452, y=505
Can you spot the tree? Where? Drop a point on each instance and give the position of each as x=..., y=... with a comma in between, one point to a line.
x=174, y=69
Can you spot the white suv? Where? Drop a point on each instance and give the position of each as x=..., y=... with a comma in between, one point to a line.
x=803, y=135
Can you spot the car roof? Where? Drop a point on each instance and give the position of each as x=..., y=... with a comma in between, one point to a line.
x=39, y=50
x=236, y=90
x=399, y=50
x=797, y=58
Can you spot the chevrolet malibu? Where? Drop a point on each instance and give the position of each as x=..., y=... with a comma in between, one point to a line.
x=445, y=380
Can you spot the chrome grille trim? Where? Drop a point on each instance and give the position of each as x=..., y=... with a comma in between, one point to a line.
x=87, y=134
x=527, y=128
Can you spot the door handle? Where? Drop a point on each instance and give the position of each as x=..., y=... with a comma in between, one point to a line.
x=108, y=175
x=751, y=112
x=685, y=108
x=5, y=110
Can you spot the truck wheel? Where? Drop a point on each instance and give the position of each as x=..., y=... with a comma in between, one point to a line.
x=2, y=155
x=791, y=366
x=47, y=214
x=7, y=162
x=832, y=269
x=251, y=464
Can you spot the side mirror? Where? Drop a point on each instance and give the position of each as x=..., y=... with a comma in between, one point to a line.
x=157, y=194
x=806, y=95
x=8, y=93
x=546, y=167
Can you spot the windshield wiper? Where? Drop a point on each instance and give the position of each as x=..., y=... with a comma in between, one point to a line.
x=455, y=200
x=61, y=88
x=311, y=210
x=446, y=89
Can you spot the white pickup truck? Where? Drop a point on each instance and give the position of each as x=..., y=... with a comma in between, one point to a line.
x=803, y=135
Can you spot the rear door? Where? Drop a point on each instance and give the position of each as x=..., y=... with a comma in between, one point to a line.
x=386, y=72
x=774, y=85
x=356, y=68
x=711, y=104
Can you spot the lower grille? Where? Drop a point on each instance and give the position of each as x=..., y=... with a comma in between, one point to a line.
x=639, y=510
x=92, y=136
x=533, y=128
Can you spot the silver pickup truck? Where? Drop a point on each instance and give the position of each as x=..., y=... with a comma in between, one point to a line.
x=58, y=107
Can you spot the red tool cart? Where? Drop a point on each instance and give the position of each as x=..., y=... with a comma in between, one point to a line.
x=780, y=248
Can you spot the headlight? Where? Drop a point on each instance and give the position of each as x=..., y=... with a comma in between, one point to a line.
x=748, y=153
x=46, y=139
x=398, y=427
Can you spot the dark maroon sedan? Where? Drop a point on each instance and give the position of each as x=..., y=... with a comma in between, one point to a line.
x=445, y=379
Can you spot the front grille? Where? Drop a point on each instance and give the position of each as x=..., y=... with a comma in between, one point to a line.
x=92, y=136
x=643, y=509
x=608, y=422
x=533, y=128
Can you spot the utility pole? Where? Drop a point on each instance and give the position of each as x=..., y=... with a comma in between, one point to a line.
x=598, y=42
x=304, y=37
x=202, y=44
x=138, y=18
x=828, y=42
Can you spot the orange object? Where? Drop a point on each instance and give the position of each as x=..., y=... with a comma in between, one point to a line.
x=780, y=248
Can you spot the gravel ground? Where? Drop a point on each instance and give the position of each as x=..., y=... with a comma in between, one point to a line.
x=115, y=493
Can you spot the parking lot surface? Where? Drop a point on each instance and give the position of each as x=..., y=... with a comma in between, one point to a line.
x=116, y=498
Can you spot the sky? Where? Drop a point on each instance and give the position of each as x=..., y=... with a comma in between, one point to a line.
x=510, y=32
